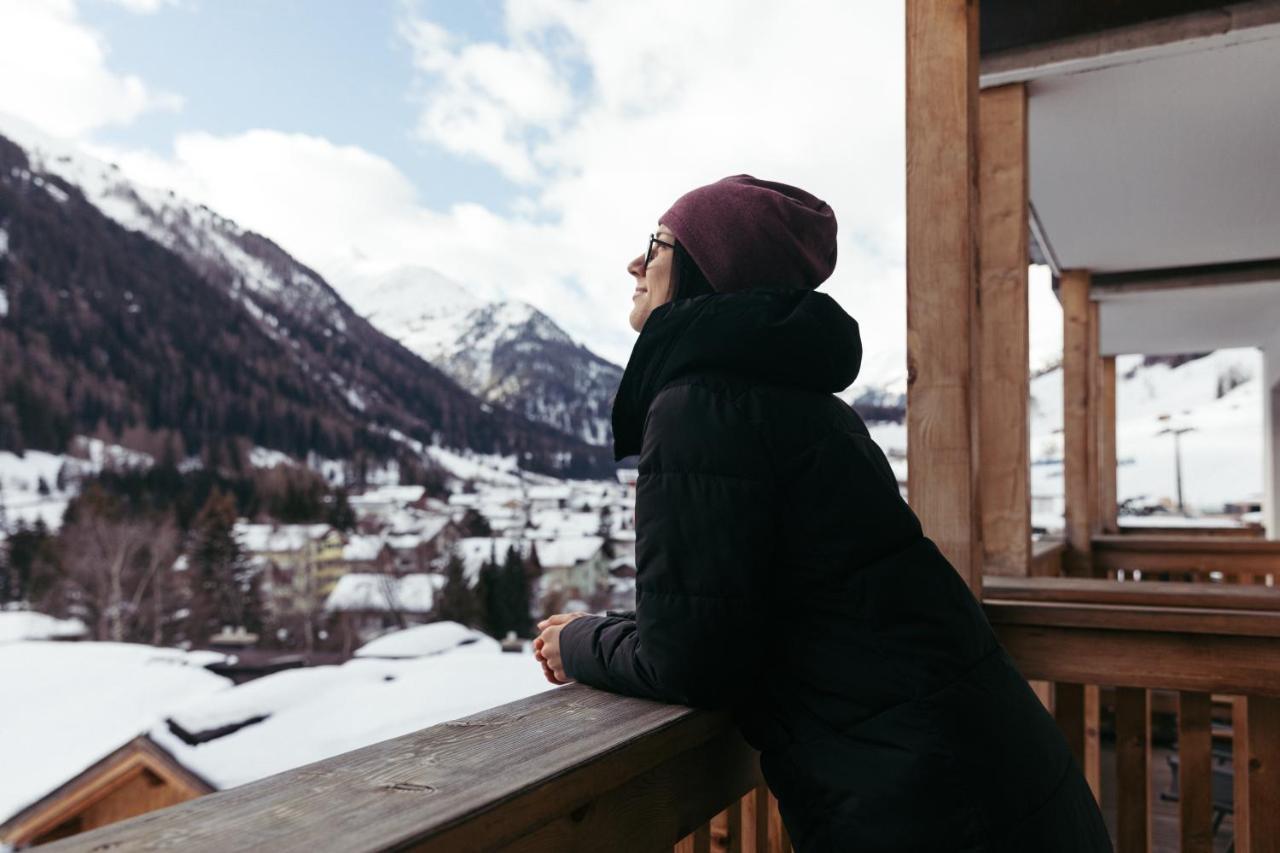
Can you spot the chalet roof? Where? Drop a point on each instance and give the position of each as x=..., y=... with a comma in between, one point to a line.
x=568, y=550
x=127, y=685
x=298, y=716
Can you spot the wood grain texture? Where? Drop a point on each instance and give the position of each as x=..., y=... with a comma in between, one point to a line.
x=1264, y=774
x=942, y=344
x=1240, y=779
x=1133, y=770
x=1170, y=660
x=1195, y=772
x=1106, y=409
x=1076, y=474
x=1076, y=710
x=481, y=782
x=1168, y=594
x=1199, y=554
x=1005, y=466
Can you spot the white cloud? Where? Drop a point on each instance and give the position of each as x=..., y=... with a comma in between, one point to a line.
x=55, y=73
x=603, y=113
x=144, y=7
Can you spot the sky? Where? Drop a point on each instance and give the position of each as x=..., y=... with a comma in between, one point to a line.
x=524, y=148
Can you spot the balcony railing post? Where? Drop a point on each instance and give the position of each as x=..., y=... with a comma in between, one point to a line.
x=1195, y=772
x=1264, y=774
x=1133, y=769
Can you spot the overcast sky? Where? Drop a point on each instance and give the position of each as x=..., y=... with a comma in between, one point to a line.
x=526, y=146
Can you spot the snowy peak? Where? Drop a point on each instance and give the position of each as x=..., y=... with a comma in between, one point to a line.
x=506, y=352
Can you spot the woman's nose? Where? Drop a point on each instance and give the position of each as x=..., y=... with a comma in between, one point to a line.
x=636, y=267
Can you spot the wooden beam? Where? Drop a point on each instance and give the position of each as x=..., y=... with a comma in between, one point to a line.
x=1160, y=34
x=1264, y=774
x=1076, y=710
x=1133, y=770
x=1176, y=278
x=1005, y=467
x=1099, y=591
x=1195, y=772
x=942, y=345
x=1108, y=521
x=1093, y=364
x=1076, y=473
x=1163, y=660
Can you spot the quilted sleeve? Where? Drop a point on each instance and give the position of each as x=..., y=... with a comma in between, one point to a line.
x=704, y=542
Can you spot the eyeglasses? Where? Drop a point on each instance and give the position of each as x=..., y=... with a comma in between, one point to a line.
x=648, y=251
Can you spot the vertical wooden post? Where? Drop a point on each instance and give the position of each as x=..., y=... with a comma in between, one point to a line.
x=1005, y=469
x=1133, y=770
x=1195, y=772
x=1076, y=710
x=1077, y=472
x=1264, y=774
x=942, y=351
x=1242, y=815
x=1106, y=410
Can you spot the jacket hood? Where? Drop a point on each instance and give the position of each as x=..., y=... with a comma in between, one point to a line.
x=796, y=338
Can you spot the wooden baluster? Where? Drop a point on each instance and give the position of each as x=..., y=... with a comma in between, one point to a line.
x=1133, y=770
x=720, y=831
x=1195, y=772
x=755, y=820
x=1264, y=773
x=779, y=841
x=1075, y=707
x=733, y=835
x=1240, y=816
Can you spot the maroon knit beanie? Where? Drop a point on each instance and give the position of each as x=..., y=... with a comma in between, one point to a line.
x=745, y=233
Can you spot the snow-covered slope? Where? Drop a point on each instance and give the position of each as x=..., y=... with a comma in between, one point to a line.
x=505, y=352
x=349, y=383
x=1218, y=396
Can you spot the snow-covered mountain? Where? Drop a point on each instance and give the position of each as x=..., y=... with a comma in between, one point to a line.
x=506, y=352
x=159, y=316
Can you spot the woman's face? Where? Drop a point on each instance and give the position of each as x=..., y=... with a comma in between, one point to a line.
x=653, y=285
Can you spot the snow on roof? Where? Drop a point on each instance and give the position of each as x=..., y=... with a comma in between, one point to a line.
x=430, y=639
x=17, y=625
x=304, y=715
x=392, y=495
x=413, y=593
x=565, y=521
x=277, y=538
x=362, y=548
x=78, y=702
x=549, y=493
x=568, y=551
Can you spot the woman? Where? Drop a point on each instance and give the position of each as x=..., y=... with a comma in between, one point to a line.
x=782, y=576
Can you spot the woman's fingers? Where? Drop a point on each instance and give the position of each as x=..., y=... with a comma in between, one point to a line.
x=560, y=618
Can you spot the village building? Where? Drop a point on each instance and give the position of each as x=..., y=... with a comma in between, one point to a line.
x=367, y=605
x=575, y=565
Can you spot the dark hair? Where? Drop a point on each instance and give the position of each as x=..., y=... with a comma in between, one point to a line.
x=687, y=280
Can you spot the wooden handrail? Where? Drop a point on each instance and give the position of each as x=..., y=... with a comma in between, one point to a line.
x=1098, y=591
x=1198, y=554
x=571, y=768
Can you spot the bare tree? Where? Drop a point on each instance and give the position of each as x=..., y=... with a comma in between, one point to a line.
x=115, y=565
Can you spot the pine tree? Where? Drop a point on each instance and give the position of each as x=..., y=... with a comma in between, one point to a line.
x=457, y=598
x=515, y=595
x=224, y=587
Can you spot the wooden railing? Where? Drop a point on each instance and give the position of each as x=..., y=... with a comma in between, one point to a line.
x=568, y=769
x=1189, y=558
x=580, y=769
x=1200, y=640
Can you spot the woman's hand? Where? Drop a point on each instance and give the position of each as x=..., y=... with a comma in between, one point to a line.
x=546, y=647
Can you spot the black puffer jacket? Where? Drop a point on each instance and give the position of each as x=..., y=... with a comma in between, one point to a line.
x=781, y=575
